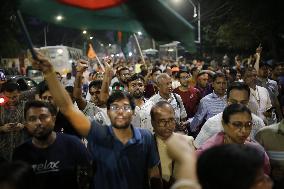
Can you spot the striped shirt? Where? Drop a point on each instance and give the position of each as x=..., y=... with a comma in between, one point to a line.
x=209, y=106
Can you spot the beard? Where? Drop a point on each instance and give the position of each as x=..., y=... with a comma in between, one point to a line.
x=138, y=94
x=126, y=126
x=43, y=136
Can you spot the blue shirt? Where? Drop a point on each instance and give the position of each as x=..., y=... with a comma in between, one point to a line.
x=209, y=106
x=118, y=165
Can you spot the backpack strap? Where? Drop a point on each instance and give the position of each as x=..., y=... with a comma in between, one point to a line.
x=178, y=102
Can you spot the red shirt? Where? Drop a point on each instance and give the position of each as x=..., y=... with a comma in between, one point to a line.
x=190, y=99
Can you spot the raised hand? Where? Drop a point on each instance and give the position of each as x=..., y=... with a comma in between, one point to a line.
x=42, y=63
x=82, y=65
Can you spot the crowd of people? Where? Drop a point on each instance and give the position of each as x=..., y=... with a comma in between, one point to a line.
x=158, y=125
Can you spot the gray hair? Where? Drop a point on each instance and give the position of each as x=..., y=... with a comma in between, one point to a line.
x=162, y=76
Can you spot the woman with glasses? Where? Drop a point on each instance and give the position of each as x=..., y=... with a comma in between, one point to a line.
x=237, y=125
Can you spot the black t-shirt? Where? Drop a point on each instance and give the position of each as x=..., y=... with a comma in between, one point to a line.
x=55, y=166
x=62, y=124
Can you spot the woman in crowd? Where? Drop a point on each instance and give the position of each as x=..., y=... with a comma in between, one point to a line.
x=230, y=166
x=237, y=125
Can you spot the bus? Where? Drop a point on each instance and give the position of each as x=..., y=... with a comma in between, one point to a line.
x=62, y=57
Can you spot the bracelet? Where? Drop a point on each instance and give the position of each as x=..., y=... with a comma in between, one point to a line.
x=186, y=183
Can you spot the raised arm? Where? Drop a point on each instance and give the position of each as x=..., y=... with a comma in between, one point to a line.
x=257, y=58
x=61, y=98
x=106, y=81
x=77, y=92
x=183, y=154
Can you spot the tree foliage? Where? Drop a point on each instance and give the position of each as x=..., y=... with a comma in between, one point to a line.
x=242, y=25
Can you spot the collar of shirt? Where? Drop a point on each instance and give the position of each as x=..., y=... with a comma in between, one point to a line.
x=214, y=95
x=136, y=138
x=168, y=100
x=137, y=108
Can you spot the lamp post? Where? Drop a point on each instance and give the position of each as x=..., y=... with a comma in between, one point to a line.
x=198, y=19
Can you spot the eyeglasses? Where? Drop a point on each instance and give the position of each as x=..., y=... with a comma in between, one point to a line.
x=48, y=98
x=41, y=117
x=240, y=125
x=164, y=122
x=116, y=108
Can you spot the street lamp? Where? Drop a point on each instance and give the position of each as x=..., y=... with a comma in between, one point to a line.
x=198, y=18
x=196, y=13
x=91, y=37
x=139, y=33
x=84, y=32
x=59, y=18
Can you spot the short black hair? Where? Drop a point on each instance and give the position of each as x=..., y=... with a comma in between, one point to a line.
x=134, y=77
x=120, y=95
x=10, y=86
x=233, y=166
x=39, y=104
x=238, y=86
x=233, y=109
x=121, y=69
x=96, y=84
x=202, y=72
x=193, y=69
x=218, y=74
x=182, y=71
x=42, y=87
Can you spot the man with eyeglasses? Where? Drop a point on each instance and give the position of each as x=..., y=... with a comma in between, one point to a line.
x=11, y=120
x=56, y=158
x=125, y=156
x=237, y=93
x=164, y=122
x=190, y=96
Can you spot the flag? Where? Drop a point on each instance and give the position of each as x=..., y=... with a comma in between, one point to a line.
x=93, y=4
x=91, y=52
